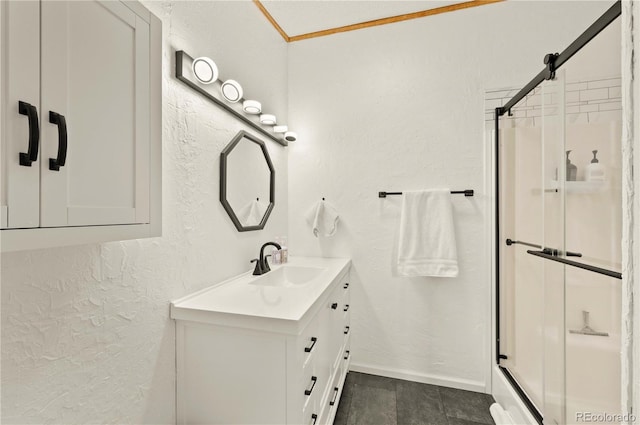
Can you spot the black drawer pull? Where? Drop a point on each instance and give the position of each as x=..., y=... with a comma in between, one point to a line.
x=31, y=112
x=346, y=285
x=346, y=354
x=313, y=344
x=346, y=307
x=335, y=396
x=334, y=306
x=346, y=330
x=61, y=122
x=314, y=379
x=314, y=418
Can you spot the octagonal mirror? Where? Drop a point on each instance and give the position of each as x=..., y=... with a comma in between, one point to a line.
x=247, y=182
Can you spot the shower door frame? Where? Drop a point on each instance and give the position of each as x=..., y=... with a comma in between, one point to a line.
x=553, y=61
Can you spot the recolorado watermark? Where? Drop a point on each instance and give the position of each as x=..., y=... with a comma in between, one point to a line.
x=604, y=417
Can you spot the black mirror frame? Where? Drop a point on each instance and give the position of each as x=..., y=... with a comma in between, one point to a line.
x=223, y=181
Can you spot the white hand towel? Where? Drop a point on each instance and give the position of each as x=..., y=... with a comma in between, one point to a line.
x=427, y=245
x=252, y=213
x=323, y=219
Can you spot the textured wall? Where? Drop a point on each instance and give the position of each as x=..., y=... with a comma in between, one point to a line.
x=400, y=107
x=86, y=334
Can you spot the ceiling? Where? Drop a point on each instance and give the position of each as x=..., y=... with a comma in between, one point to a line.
x=301, y=19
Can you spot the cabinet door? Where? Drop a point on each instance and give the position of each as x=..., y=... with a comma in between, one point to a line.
x=20, y=78
x=95, y=74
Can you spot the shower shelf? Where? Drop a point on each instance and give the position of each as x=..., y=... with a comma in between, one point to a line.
x=578, y=186
x=559, y=259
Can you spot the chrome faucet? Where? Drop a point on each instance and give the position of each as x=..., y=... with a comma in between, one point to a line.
x=262, y=265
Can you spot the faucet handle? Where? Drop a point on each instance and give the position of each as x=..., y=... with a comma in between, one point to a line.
x=258, y=270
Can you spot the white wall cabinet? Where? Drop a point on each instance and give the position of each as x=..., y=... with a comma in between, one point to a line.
x=81, y=122
x=231, y=374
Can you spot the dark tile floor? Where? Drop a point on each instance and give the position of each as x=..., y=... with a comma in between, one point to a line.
x=376, y=400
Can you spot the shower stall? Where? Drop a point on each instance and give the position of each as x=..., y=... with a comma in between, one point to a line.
x=558, y=238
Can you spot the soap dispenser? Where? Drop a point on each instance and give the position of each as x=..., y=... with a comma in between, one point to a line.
x=572, y=170
x=595, y=171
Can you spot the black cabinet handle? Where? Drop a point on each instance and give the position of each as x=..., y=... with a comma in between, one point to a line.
x=31, y=112
x=346, y=307
x=334, y=306
x=346, y=354
x=313, y=344
x=314, y=379
x=314, y=418
x=346, y=285
x=335, y=396
x=346, y=330
x=61, y=122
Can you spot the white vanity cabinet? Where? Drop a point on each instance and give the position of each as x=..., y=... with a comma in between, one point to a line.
x=81, y=122
x=236, y=368
x=320, y=353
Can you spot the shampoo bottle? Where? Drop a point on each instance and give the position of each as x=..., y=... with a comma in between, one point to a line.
x=572, y=170
x=595, y=171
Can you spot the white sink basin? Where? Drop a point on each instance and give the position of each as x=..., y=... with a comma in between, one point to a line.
x=281, y=300
x=288, y=276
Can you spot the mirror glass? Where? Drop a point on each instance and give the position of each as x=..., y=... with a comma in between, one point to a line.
x=247, y=182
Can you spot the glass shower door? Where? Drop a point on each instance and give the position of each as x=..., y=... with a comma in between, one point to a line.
x=522, y=275
x=560, y=216
x=553, y=179
x=593, y=216
x=532, y=209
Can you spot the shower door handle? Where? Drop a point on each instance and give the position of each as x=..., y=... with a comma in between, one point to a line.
x=556, y=252
x=548, y=251
x=589, y=267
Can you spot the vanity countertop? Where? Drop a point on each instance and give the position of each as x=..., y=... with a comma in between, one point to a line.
x=240, y=302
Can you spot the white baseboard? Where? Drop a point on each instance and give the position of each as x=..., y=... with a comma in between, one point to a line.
x=510, y=401
x=409, y=375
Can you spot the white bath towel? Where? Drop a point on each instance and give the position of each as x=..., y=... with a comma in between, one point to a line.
x=323, y=218
x=427, y=245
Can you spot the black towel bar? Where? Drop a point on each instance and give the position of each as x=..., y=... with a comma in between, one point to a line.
x=466, y=192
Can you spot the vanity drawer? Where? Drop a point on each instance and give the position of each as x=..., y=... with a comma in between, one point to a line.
x=346, y=314
x=346, y=290
x=344, y=350
x=333, y=397
x=311, y=419
x=310, y=408
x=345, y=304
x=309, y=342
x=312, y=388
x=346, y=353
x=345, y=311
x=311, y=384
